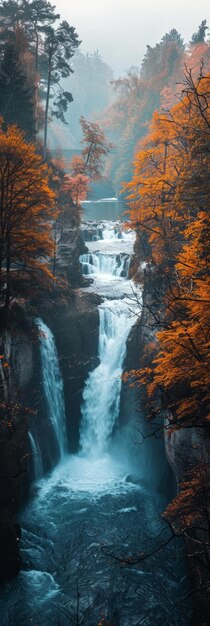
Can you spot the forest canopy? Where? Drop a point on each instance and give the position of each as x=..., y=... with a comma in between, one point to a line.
x=169, y=202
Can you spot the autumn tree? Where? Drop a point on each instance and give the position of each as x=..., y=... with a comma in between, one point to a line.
x=91, y=161
x=169, y=199
x=27, y=207
x=138, y=95
x=153, y=86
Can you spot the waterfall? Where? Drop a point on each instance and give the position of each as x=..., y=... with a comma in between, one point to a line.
x=101, y=396
x=37, y=458
x=53, y=386
x=111, y=264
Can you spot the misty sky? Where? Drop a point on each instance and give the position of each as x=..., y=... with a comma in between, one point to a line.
x=121, y=29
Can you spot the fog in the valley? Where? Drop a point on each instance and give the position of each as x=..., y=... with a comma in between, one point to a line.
x=114, y=36
x=121, y=29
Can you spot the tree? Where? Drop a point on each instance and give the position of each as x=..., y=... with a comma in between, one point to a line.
x=139, y=94
x=27, y=206
x=12, y=17
x=60, y=45
x=76, y=187
x=162, y=58
x=200, y=35
x=90, y=163
x=38, y=16
x=16, y=105
x=169, y=198
x=50, y=48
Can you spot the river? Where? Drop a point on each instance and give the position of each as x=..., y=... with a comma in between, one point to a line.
x=90, y=509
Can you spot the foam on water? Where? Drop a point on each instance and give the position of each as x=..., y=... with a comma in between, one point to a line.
x=79, y=477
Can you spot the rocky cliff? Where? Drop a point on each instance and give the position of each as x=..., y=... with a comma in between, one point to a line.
x=73, y=318
x=185, y=450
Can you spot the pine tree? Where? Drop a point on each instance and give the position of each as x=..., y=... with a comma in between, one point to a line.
x=60, y=47
x=16, y=106
x=200, y=35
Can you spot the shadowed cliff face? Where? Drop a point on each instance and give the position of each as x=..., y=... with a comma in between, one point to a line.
x=73, y=318
x=149, y=451
x=16, y=373
x=21, y=387
x=176, y=453
x=75, y=329
x=70, y=247
x=16, y=376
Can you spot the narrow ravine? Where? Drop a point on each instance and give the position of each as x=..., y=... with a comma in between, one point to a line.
x=88, y=506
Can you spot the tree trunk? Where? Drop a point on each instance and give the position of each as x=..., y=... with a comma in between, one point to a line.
x=8, y=276
x=47, y=105
x=36, y=82
x=54, y=259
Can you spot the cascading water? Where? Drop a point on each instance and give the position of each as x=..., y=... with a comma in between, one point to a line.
x=53, y=386
x=101, y=395
x=37, y=458
x=87, y=502
x=112, y=264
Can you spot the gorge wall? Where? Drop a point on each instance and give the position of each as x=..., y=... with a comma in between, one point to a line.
x=73, y=317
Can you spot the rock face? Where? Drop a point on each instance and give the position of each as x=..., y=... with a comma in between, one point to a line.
x=10, y=560
x=16, y=373
x=185, y=449
x=70, y=248
x=75, y=329
x=16, y=376
x=73, y=318
x=149, y=450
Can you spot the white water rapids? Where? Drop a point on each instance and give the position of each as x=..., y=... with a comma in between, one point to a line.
x=101, y=396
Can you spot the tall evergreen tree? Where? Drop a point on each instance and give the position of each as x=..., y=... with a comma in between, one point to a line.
x=16, y=105
x=60, y=47
x=11, y=17
x=163, y=56
x=200, y=35
x=51, y=49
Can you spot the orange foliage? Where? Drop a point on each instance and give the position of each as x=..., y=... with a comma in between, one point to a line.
x=169, y=199
x=157, y=85
x=88, y=166
x=27, y=206
x=77, y=187
x=192, y=501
